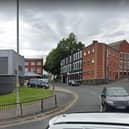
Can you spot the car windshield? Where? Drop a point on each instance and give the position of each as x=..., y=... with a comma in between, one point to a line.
x=117, y=92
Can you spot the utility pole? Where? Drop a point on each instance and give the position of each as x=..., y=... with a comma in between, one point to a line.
x=17, y=62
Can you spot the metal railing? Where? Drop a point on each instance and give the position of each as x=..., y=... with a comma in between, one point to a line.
x=27, y=108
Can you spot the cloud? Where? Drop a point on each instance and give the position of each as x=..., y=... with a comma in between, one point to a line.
x=8, y=34
x=41, y=28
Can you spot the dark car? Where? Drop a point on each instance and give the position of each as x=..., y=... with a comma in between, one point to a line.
x=43, y=84
x=114, y=98
x=73, y=83
x=39, y=83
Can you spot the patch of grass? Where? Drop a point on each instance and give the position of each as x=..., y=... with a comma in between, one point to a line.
x=26, y=94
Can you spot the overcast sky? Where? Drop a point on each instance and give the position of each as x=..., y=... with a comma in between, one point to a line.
x=43, y=24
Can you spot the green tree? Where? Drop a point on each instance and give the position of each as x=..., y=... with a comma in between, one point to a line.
x=64, y=48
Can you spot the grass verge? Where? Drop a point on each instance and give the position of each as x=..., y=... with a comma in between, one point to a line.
x=26, y=94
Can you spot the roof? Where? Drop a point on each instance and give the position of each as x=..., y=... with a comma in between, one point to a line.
x=106, y=118
x=116, y=45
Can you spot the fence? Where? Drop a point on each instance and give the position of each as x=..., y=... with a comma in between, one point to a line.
x=8, y=111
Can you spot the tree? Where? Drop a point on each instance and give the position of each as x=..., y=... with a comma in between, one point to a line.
x=64, y=48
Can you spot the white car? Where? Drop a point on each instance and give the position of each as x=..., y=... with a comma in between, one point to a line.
x=90, y=121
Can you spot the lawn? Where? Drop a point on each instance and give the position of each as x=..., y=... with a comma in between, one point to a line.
x=26, y=94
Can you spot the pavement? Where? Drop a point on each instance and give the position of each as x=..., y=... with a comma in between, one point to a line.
x=65, y=100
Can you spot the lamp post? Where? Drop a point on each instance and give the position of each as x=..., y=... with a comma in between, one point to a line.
x=17, y=62
x=68, y=78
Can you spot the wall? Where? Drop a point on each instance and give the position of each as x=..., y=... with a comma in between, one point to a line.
x=124, y=46
x=7, y=84
x=3, y=65
x=113, y=61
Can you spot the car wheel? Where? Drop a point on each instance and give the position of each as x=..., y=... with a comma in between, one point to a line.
x=101, y=108
x=104, y=108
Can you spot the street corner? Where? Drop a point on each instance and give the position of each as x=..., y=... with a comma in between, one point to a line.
x=65, y=100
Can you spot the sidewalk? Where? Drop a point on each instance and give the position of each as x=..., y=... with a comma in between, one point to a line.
x=65, y=99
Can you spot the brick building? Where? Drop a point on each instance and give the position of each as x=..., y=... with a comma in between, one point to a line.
x=100, y=63
x=34, y=65
x=123, y=47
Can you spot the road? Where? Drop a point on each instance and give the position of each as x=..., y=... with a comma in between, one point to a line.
x=88, y=102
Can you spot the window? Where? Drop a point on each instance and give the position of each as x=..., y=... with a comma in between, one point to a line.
x=80, y=54
x=32, y=63
x=88, y=51
x=77, y=65
x=74, y=57
x=70, y=67
x=38, y=63
x=26, y=63
x=70, y=59
x=32, y=70
x=84, y=54
x=73, y=66
x=26, y=69
x=92, y=73
x=92, y=61
x=93, y=50
x=67, y=60
x=39, y=70
x=88, y=62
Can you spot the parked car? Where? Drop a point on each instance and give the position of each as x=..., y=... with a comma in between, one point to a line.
x=114, y=98
x=43, y=84
x=73, y=83
x=90, y=121
x=39, y=83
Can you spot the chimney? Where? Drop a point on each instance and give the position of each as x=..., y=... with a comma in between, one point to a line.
x=95, y=41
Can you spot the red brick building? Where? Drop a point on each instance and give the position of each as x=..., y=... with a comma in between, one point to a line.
x=34, y=65
x=123, y=47
x=100, y=63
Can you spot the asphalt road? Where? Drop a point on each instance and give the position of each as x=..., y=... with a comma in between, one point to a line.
x=88, y=102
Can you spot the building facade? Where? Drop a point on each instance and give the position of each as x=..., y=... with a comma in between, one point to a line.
x=123, y=48
x=71, y=67
x=8, y=70
x=100, y=63
x=8, y=63
x=34, y=65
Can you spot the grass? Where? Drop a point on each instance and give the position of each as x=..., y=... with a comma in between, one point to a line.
x=26, y=94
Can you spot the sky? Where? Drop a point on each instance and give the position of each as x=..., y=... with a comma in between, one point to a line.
x=44, y=23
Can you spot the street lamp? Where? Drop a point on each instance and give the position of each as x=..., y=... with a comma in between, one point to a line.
x=68, y=78
x=17, y=62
